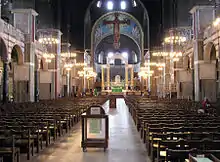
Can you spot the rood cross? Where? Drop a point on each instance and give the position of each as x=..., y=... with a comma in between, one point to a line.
x=116, y=29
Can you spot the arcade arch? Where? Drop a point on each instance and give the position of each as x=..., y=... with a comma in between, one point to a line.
x=15, y=86
x=209, y=52
x=3, y=70
x=209, y=86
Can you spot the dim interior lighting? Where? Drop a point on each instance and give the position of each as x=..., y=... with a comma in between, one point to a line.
x=48, y=60
x=175, y=59
x=110, y=5
x=48, y=40
x=87, y=72
x=68, y=54
x=135, y=3
x=123, y=5
x=112, y=61
x=167, y=54
x=216, y=22
x=175, y=39
x=125, y=54
x=160, y=64
x=110, y=54
x=150, y=63
x=48, y=57
x=99, y=4
x=145, y=74
x=68, y=66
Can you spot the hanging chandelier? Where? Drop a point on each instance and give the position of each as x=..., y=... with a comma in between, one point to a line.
x=160, y=66
x=174, y=40
x=216, y=21
x=68, y=55
x=176, y=36
x=145, y=74
x=167, y=54
x=48, y=57
x=87, y=72
x=48, y=40
x=68, y=66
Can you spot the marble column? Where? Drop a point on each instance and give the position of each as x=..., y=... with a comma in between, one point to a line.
x=28, y=15
x=5, y=82
x=132, y=77
x=0, y=8
x=103, y=78
x=108, y=77
x=37, y=82
x=126, y=77
x=68, y=82
x=198, y=13
x=54, y=66
x=84, y=82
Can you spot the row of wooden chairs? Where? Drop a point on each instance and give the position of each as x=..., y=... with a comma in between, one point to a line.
x=28, y=127
x=170, y=127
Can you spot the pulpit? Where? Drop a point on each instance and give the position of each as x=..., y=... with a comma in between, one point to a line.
x=95, y=128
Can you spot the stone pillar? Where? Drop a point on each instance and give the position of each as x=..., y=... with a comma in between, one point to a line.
x=126, y=77
x=5, y=82
x=73, y=77
x=217, y=2
x=37, y=80
x=198, y=14
x=103, y=78
x=132, y=78
x=53, y=45
x=28, y=16
x=108, y=77
x=0, y=8
x=68, y=82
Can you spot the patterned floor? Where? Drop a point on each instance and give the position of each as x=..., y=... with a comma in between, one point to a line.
x=124, y=142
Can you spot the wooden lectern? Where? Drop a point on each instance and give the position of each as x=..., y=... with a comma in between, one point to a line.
x=95, y=128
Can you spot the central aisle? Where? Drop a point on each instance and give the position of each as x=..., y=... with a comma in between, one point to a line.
x=124, y=142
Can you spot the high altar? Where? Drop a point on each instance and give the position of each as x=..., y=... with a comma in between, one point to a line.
x=118, y=85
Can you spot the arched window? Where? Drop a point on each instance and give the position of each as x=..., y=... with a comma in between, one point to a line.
x=112, y=62
x=135, y=58
x=100, y=58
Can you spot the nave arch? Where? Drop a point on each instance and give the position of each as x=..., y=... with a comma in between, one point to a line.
x=8, y=64
x=209, y=52
x=209, y=85
x=3, y=66
x=16, y=59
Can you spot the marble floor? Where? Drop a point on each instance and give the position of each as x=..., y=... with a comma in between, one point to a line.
x=124, y=142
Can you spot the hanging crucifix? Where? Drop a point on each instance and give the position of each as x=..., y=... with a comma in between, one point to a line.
x=116, y=28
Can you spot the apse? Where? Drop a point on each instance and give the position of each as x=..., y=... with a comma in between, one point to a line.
x=127, y=45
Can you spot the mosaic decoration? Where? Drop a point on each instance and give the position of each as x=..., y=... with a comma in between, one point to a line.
x=131, y=29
